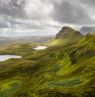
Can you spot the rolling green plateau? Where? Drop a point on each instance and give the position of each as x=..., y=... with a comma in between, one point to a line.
x=65, y=69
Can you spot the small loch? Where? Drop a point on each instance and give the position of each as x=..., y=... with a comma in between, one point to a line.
x=6, y=57
x=40, y=47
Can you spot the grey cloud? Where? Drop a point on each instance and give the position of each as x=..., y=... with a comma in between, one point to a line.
x=75, y=12
x=3, y=25
x=89, y=2
x=12, y=8
x=69, y=12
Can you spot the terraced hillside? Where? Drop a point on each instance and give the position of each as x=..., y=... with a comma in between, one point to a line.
x=66, y=69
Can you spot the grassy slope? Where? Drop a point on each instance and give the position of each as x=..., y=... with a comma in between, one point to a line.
x=59, y=71
x=65, y=36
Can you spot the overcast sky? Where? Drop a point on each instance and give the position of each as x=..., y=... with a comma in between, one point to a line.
x=44, y=17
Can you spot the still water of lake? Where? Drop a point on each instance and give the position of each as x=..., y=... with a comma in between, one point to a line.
x=40, y=47
x=6, y=57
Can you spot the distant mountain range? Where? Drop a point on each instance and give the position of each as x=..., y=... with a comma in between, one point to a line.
x=12, y=40
x=87, y=29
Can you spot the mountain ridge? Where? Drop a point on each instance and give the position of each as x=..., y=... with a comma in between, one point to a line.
x=66, y=35
x=67, y=31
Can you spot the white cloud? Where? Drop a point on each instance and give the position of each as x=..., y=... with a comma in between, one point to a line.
x=38, y=9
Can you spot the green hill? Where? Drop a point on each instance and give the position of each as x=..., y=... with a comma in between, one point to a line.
x=67, y=32
x=65, y=36
x=65, y=70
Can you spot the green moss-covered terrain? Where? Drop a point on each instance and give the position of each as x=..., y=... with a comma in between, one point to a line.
x=65, y=69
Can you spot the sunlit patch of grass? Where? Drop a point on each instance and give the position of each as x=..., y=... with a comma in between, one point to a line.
x=9, y=87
